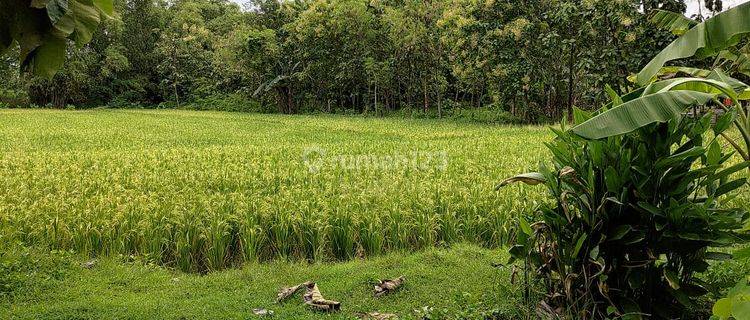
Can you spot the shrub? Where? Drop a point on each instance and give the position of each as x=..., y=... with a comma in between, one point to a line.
x=632, y=221
x=223, y=102
x=486, y=115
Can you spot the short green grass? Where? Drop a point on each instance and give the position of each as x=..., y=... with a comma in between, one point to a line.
x=202, y=191
x=456, y=282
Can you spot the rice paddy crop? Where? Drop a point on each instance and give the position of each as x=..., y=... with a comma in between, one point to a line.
x=202, y=191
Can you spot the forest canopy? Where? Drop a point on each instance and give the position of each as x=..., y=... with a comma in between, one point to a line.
x=524, y=61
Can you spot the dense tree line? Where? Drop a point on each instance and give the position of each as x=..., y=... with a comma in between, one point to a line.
x=523, y=60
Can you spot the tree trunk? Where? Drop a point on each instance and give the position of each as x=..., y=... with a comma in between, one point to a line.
x=376, y=99
x=440, y=106
x=571, y=71
x=176, y=96
x=426, y=99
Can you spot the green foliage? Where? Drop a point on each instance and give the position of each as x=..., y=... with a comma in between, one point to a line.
x=633, y=220
x=531, y=61
x=42, y=27
x=233, y=103
x=704, y=40
x=659, y=102
x=718, y=37
x=736, y=305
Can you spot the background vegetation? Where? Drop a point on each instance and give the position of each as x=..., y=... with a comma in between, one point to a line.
x=490, y=61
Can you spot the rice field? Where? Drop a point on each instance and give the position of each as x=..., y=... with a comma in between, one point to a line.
x=202, y=191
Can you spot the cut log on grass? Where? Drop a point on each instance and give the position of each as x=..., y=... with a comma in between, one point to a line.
x=287, y=292
x=387, y=286
x=314, y=299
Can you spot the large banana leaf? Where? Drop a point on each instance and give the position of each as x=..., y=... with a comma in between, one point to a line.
x=675, y=22
x=703, y=40
x=738, y=59
x=636, y=113
x=41, y=29
x=711, y=85
x=719, y=75
x=742, y=89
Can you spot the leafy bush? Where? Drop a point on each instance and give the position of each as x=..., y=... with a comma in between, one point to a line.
x=632, y=220
x=232, y=102
x=10, y=98
x=486, y=115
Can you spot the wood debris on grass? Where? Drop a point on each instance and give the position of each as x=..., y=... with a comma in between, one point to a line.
x=377, y=316
x=314, y=299
x=312, y=296
x=287, y=292
x=262, y=312
x=388, y=286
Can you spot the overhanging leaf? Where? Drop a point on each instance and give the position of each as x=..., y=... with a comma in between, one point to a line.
x=106, y=6
x=531, y=178
x=49, y=57
x=710, y=86
x=634, y=114
x=729, y=186
x=616, y=99
x=722, y=308
x=86, y=21
x=703, y=40
x=619, y=232
x=34, y=23
x=579, y=244
x=525, y=226
x=674, y=22
x=56, y=9
x=719, y=75
x=740, y=309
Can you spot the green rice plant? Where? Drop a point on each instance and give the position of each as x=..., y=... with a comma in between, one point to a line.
x=202, y=191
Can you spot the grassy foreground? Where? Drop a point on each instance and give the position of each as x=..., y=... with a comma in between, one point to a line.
x=455, y=282
x=202, y=191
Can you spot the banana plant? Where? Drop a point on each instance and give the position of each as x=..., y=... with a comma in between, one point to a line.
x=675, y=22
x=42, y=27
x=661, y=100
x=706, y=39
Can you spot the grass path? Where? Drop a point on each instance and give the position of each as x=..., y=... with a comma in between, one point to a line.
x=460, y=280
